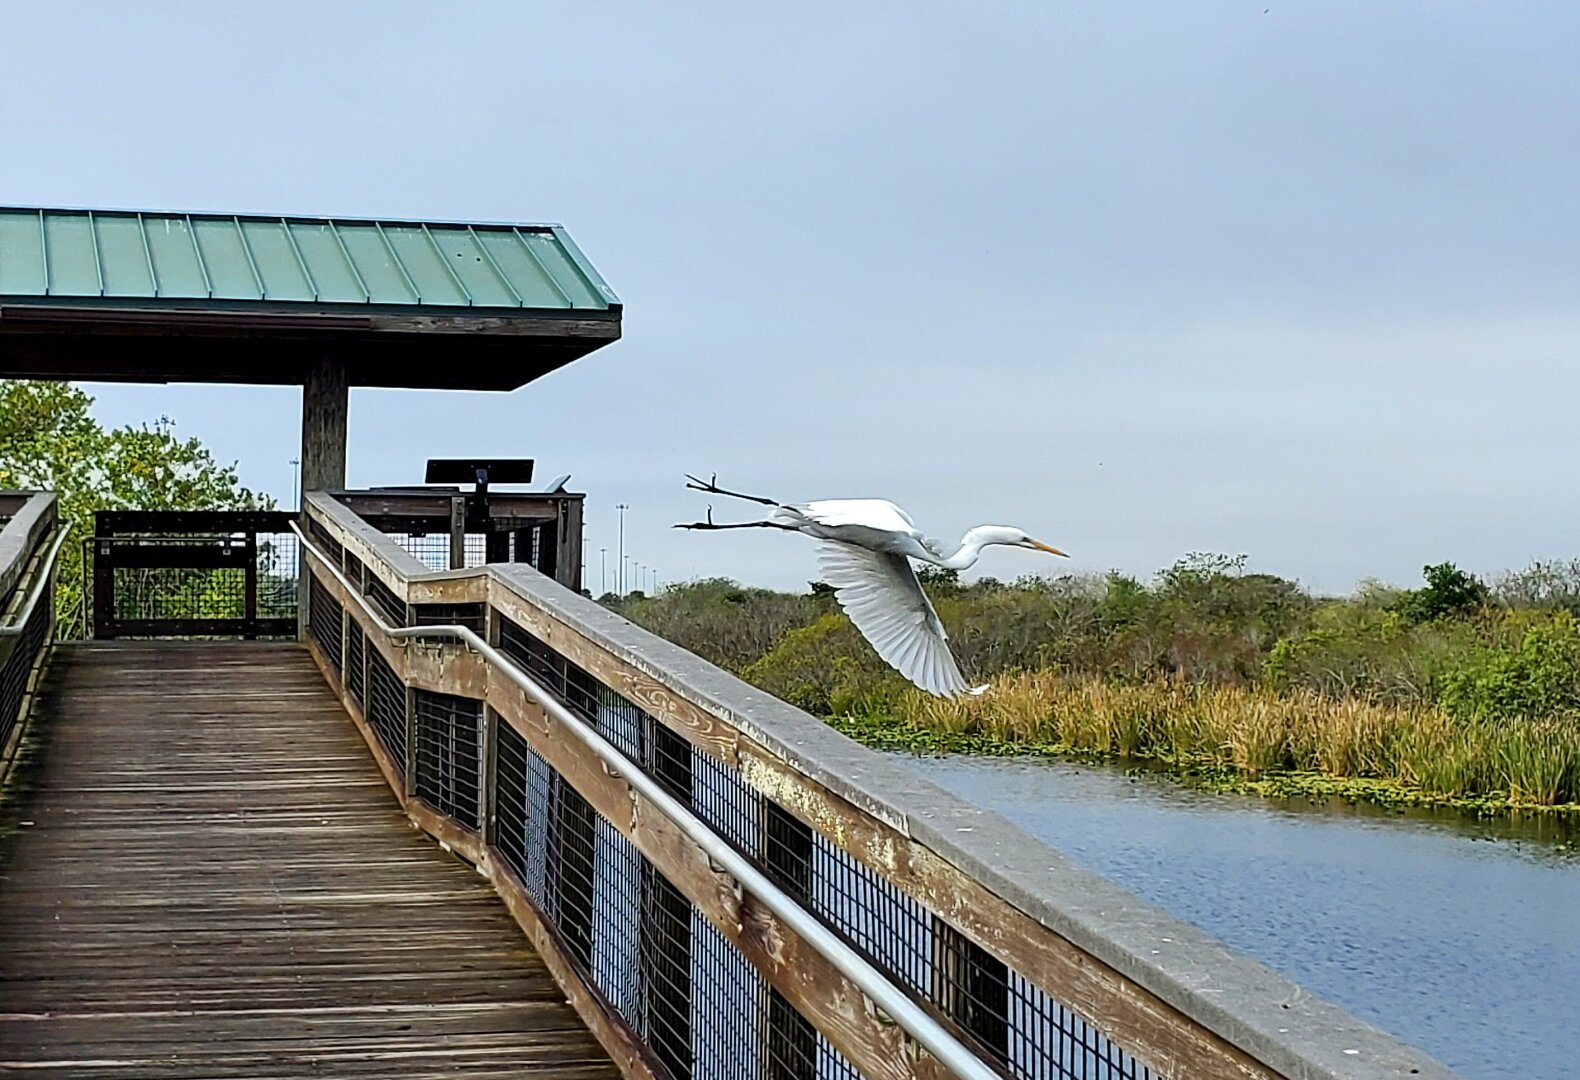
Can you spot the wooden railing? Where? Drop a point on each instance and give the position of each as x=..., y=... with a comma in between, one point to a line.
x=725, y=887
x=30, y=543
x=209, y=573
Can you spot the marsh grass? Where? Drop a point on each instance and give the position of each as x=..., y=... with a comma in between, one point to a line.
x=1258, y=732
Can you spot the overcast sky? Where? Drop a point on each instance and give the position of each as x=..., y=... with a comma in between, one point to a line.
x=1298, y=281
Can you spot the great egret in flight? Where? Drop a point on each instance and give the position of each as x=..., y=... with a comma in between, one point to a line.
x=865, y=555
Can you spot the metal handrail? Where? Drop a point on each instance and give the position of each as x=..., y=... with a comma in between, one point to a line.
x=916, y=1021
x=46, y=569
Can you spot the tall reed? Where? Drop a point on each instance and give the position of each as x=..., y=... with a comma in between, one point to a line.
x=1258, y=731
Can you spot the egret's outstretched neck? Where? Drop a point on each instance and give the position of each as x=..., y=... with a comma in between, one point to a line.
x=970, y=549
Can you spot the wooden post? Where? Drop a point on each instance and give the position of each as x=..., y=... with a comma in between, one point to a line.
x=458, y=532
x=249, y=600
x=548, y=549
x=326, y=395
x=103, y=589
x=568, y=541
x=325, y=398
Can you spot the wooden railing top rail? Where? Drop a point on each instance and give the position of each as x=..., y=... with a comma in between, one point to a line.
x=30, y=544
x=1169, y=993
x=29, y=517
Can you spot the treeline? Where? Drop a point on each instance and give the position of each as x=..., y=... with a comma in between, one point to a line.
x=1469, y=687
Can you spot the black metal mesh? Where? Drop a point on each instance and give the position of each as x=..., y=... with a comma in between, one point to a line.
x=165, y=593
x=467, y=615
x=19, y=663
x=383, y=597
x=571, y=844
x=518, y=826
x=434, y=548
x=326, y=542
x=576, y=689
x=324, y=619
x=1011, y=1021
x=355, y=676
x=673, y=977
x=279, y=561
x=703, y=1010
x=618, y=870
x=386, y=711
x=1049, y=1042
x=449, y=733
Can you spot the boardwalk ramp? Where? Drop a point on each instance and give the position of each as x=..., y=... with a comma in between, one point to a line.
x=202, y=873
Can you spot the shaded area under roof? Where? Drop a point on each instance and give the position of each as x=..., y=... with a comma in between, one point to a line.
x=91, y=294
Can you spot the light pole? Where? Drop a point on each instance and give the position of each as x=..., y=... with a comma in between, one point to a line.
x=296, y=483
x=603, y=579
x=625, y=561
x=620, y=565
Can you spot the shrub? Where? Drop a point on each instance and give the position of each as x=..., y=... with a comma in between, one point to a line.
x=1530, y=668
x=1449, y=591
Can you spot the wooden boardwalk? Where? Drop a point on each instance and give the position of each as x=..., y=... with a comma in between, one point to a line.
x=203, y=874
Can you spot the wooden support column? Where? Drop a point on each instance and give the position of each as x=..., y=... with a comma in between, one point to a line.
x=568, y=540
x=458, y=533
x=326, y=395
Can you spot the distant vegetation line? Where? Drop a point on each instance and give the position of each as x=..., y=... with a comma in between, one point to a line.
x=1460, y=691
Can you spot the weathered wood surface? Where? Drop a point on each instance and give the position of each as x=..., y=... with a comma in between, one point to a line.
x=203, y=874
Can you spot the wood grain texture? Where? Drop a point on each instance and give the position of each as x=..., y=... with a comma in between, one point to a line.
x=203, y=874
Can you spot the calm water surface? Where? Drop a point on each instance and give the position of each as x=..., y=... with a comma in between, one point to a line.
x=1462, y=937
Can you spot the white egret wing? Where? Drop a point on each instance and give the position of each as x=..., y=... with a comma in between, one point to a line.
x=878, y=514
x=880, y=593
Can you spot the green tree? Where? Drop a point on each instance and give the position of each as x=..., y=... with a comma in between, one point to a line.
x=50, y=441
x=1449, y=591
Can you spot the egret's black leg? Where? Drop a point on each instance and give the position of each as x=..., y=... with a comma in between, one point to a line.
x=712, y=488
x=738, y=525
x=709, y=524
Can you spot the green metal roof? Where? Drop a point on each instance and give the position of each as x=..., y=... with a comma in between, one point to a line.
x=128, y=256
x=245, y=298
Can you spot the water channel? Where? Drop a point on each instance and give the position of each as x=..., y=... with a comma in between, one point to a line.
x=1459, y=935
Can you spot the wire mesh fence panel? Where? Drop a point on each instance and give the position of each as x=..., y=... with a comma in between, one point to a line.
x=1011, y=1021
x=728, y=998
x=1050, y=1042
x=278, y=575
x=356, y=670
x=617, y=921
x=391, y=606
x=325, y=619
x=470, y=616
x=327, y=543
x=194, y=574
x=571, y=875
x=449, y=732
x=519, y=820
x=178, y=593
x=18, y=665
x=721, y=798
x=433, y=549
x=386, y=710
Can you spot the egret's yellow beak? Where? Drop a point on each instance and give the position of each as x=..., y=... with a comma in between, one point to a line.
x=1040, y=546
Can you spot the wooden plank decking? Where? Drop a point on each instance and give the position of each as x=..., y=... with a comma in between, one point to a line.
x=203, y=874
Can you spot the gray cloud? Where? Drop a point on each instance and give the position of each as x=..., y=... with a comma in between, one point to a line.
x=1141, y=280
